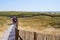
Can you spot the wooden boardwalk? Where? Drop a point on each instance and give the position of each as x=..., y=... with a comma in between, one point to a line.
x=10, y=33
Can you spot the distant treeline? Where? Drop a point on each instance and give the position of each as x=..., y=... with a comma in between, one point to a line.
x=30, y=14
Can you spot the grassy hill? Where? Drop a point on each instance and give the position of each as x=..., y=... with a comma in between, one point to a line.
x=37, y=20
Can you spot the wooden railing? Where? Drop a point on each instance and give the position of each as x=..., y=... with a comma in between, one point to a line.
x=36, y=35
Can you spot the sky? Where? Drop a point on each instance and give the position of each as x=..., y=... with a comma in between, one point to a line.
x=29, y=5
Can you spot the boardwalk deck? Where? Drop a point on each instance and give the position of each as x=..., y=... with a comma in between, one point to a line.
x=10, y=33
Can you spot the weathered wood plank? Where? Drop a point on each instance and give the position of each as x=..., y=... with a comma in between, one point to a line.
x=10, y=33
x=30, y=35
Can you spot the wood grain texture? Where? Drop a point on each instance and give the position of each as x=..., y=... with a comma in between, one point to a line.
x=30, y=35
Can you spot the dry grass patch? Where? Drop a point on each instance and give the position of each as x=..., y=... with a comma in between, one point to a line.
x=37, y=22
x=3, y=23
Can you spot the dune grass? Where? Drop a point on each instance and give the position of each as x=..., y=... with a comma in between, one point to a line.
x=39, y=22
x=4, y=23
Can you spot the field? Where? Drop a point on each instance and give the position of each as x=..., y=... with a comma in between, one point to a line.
x=31, y=20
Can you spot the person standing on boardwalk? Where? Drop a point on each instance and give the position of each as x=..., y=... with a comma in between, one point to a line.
x=15, y=21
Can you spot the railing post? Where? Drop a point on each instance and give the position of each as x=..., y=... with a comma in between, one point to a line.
x=35, y=36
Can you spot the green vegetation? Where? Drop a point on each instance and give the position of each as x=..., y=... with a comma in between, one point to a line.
x=56, y=22
x=37, y=20
x=30, y=14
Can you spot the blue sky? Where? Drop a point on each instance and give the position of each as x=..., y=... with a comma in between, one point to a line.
x=29, y=5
